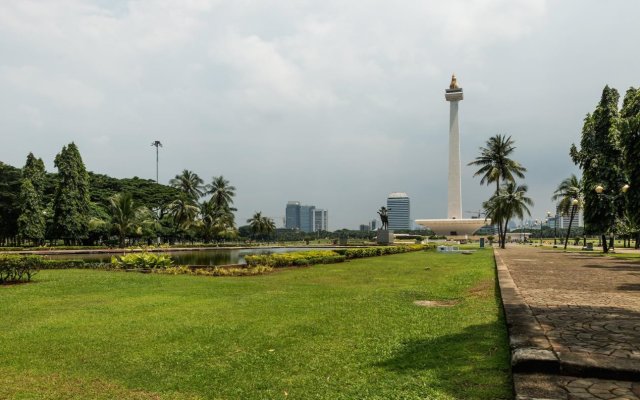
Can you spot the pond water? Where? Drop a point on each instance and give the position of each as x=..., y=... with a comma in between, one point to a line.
x=194, y=257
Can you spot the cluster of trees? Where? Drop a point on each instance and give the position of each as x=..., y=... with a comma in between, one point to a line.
x=609, y=190
x=80, y=207
x=509, y=199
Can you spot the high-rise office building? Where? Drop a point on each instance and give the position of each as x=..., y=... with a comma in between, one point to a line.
x=321, y=222
x=306, y=218
x=398, y=211
x=292, y=219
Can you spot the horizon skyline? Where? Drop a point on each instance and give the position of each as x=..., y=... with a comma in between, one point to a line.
x=319, y=101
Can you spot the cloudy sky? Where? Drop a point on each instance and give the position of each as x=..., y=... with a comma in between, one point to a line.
x=333, y=103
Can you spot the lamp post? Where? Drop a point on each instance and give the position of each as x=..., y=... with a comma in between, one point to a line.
x=599, y=189
x=555, y=228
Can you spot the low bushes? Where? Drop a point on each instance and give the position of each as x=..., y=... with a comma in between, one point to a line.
x=18, y=268
x=215, y=271
x=142, y=261
x=327, y=256
x=297, y=258
x=379, y=251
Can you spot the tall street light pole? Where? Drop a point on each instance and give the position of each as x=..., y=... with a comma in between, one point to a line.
x=157, y=145
x=555, y=225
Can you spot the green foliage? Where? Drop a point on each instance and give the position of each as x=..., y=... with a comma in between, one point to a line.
x=71, y=203
x=600, y=158
x=126, y=215
x=142, y=261
x=189, y=183
x=630, y=142
x=145, y=192
x=34, y=171
x=19, y=268
x=261, y=226
x=381, y=250
x=31, y=222
x=298, y=258
x=510, y=202
x=496, y=167
x=10, y=181
x=216, y=271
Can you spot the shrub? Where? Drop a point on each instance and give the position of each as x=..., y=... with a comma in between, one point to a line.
x=76, y=264
x=216, y=271
x=381, y=250
x=18, y=268
x=142, y=260
x=295, y=258
x=328, y=256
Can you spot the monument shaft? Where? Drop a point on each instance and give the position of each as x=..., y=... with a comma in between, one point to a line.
x=453, y=96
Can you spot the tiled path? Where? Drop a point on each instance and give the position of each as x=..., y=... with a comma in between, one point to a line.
x=574, y=323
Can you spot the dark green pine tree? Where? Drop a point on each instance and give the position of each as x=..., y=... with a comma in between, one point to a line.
x=31, y=222
x=600, y=159
x=71, y=204
x=630, y=142
x=34, y=171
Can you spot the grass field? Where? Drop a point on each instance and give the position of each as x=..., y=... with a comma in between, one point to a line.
x=340, y=331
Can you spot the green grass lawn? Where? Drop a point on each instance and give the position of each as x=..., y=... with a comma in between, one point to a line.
x=340, y=331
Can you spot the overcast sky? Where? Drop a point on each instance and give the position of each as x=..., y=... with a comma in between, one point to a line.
x=333, y=103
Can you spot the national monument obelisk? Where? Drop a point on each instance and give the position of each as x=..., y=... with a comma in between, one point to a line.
x=454, y=224
x=454, y=95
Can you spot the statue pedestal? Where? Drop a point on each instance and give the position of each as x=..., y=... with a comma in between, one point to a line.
x=385, y=237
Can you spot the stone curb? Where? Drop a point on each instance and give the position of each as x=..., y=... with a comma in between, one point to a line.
x=531, y=351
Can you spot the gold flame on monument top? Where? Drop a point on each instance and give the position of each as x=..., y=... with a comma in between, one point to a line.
x=454, y=82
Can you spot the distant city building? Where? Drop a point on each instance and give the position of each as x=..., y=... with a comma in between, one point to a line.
x=321, y=220
x=306, y=218
x=364, y=227
x=563, y=219
x=307, y=215
x=292, y=218
x=373, y=224
x=399, y=211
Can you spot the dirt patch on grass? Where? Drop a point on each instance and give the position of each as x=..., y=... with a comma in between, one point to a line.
x=482, y=289
x=435, y=303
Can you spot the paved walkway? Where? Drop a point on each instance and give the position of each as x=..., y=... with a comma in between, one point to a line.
x=574, y=323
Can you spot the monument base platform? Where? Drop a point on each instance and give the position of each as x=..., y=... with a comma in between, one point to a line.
x=385, y=237
x=453, y=227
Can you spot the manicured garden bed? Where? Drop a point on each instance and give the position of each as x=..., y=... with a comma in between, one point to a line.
x=335, y=331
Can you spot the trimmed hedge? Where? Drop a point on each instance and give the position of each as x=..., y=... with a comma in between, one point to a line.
x=296, y=258
x=328, y=256
x=215, y=271
x=18, y=268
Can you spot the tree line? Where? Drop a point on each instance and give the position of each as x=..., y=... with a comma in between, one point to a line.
x=78, y=207
x=609, y=190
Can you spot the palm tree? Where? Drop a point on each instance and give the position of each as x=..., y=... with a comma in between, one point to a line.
x=215, y=221
x=189, y=183
x=268, y=226
x=261, y=225
x=495, y=164
x=568, y=190
x=221, y=193
x=510, y=201
x=184, y=211
x=126, y=215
